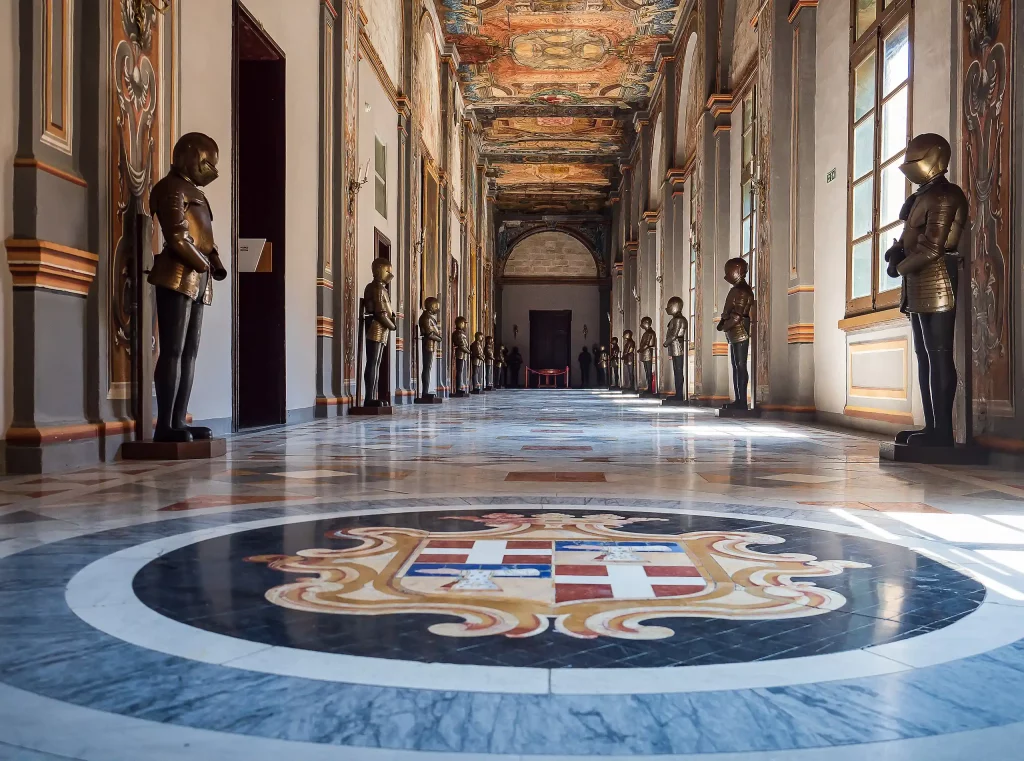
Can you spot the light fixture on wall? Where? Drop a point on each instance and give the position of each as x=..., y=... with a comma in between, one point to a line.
x=586, y=331
x=367, y=107
x=757, y=181
x=515, y=331
x=138, y=7
x=636, y=295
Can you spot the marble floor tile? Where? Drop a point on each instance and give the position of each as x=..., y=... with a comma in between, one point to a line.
x=521, y=575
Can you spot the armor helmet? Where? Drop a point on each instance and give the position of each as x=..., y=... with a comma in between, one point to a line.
x=736, y=270
x=627, y=334
x=927, y=157
x=432, y=305
x=674, y=306
x=646, y=323
x=615, y=339
x=460, y=322
x=477, y=336
x=489, y=340
x=382, y=270
x=195, y=158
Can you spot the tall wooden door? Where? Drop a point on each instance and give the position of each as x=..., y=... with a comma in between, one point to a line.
x=550, y=334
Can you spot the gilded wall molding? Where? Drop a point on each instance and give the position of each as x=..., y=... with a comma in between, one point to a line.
x=51, y=266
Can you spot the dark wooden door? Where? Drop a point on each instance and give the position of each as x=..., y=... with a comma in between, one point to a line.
x=550, y=346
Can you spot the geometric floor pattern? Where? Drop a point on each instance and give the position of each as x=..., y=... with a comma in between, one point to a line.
x=524, y=575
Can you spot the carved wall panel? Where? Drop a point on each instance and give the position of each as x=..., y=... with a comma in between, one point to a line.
x=350, y=146
x=986, y=152
x=765, y=83
x=134, y=135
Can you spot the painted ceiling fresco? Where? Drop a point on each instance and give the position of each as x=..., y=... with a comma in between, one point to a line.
x=555, y=82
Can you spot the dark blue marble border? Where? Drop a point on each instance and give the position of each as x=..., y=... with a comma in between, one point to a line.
x=49, y=651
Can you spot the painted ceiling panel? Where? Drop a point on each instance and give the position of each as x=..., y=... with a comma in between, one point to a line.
x=518, y=56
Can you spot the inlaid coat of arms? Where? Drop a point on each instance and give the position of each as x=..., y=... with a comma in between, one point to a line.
x=586, y=577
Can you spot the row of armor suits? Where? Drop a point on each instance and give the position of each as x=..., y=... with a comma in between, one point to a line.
x=484, y=366
x=616, y=365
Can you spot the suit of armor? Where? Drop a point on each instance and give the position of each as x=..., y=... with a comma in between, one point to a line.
x=648, y=347
x=615, y=366
x=735, y=323
x=489, y=363
x=628, y=361
x=430, y=342
x=502, y=360
x=476, y=354
x=183, y=273
x=602, y=366
x=460, y=348
x=676, y=342
x=380, y=321
x=925, y=256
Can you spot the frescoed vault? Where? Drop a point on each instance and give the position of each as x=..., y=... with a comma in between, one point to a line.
x=522, y=59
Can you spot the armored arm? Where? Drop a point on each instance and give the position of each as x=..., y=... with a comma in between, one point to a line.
x=220, y=272
x=931, y=244
x=381, y=309
x=171, y=210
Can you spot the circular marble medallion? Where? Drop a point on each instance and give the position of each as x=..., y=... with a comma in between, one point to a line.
x=572, y=589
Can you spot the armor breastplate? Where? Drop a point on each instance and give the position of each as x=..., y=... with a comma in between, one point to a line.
x=629, y=351
x=183, y=212
x=461, y=343
x=739, y=302
x=647, y=344
x=376, y=299
x=676, y=337
x=429, y=330
x=934, y=225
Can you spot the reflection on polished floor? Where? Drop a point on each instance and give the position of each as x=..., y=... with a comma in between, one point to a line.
x=524, y=575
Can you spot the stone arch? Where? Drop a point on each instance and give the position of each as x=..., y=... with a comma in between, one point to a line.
x=550, y=253
x=658, y=168
x=513, y=243
x=427, y=83
x=686, y=106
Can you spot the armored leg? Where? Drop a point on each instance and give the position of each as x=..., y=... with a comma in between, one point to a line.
x=427, y=353
x=924, y=381
x=649, y=376
x=939, y=380
x=679, y=375
x=174, y=311
x=371, y=375
x=628, y=378
x=738, y=352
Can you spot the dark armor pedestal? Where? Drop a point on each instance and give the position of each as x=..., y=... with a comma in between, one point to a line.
x=365, y=411
x=173, y=450
x=673, y=402
x=459, y=394
x=733, y=412
x=428, y=399
x=890, y=451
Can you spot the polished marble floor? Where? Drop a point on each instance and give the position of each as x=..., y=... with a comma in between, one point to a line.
x=524, y=575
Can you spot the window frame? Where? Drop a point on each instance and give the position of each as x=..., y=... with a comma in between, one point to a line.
x=890, y=15
x=748, y=174
x=380, y=148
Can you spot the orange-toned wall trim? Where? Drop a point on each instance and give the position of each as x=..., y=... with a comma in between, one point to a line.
x=789, y=408
x=885, y=416
x=399, y=344
x=403, y=393
x=799, y=6
x=330, y=8
x=37, y=164
x=331, y=401
x=801, y=333
x=323, y=282
x=720, y=103
x=720, y=349
x=42, y=264
x=366, y=46
x=1000, y=444
x=801, y=289
x=871, y=320
x=325, y=327
x=36, y=437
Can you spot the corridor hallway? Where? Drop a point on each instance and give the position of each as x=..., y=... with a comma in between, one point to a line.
x=521, y=575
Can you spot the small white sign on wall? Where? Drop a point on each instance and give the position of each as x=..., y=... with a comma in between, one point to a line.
x=249, y=251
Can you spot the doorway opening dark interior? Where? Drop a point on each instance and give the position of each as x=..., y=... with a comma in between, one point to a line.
x=550, y=344
x=259, y=205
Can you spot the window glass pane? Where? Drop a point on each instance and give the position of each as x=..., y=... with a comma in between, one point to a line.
x=746, y=201
x=896, y=63
x=860, y=270
x=746, y=237
x=864, y=87
x=748, y=147
x=894, y=125
x=863, y=149
x=866, y=11
x=863, y=202
x=380, y=160
x=886, y=283
x=748, y=110
x=894, y=193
